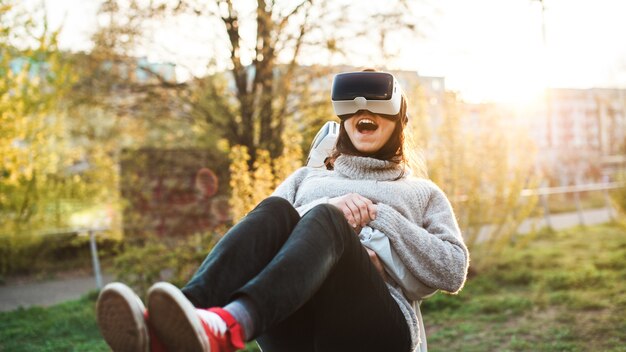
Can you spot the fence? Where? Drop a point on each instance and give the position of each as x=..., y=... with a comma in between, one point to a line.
x=544, y=192
x=92, y=232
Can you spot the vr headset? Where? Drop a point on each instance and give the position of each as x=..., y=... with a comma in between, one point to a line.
x=376, y=92
x=323, y=144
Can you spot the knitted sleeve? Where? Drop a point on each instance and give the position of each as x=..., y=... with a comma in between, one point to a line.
x=434, y=253
x=288, y=189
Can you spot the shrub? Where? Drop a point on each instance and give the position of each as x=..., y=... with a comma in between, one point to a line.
x=25, y=254
x=251, y=185
x=483, y=170
x=155, y=259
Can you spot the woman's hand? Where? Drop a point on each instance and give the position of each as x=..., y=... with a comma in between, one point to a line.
x=377, y=263
x=358, y=210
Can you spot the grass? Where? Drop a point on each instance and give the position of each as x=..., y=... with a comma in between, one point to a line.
x=69, y=326
x=566, y=291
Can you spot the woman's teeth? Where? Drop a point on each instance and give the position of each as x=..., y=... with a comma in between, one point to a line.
x=366, y=125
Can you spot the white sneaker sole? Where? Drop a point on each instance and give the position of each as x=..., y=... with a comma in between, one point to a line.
x=120, y=317
x=175, y=320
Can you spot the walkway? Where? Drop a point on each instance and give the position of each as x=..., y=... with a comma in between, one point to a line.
x=559, y=221
x=46, y=293
x=567, y=220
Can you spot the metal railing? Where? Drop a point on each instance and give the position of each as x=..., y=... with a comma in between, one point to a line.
x=544, y=192
x=93, y=246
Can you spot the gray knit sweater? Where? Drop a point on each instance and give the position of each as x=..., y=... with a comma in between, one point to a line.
x=412, y=212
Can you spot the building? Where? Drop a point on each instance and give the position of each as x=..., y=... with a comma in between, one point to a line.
x=581, y=133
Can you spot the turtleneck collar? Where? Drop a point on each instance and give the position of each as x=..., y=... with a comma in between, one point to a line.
x=364, y=168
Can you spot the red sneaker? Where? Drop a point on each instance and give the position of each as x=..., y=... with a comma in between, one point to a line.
x=155, y=343
x=182, y=327
x=120, y=315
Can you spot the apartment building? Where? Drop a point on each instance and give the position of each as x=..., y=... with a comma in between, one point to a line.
x=581, y=133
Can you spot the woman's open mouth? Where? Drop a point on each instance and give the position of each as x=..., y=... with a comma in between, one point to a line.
x=366, y=125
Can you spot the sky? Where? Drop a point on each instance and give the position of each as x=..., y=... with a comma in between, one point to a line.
x=487, y=50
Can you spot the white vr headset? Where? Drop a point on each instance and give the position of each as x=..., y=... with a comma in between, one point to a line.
x=376, y=92
x=323, y=144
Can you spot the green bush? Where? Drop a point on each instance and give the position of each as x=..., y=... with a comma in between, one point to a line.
x=154, y=259
x=26, y=254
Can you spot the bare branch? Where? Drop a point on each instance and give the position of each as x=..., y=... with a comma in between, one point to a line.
x=292, y=65
x=285, y=19
x=163, y=82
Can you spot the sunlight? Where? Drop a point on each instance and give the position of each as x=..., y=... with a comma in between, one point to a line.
x=514, y=86
x=514, y=81
x=98, y=217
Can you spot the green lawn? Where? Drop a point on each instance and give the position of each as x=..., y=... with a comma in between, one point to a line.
x=565, y=292
x=69, y=326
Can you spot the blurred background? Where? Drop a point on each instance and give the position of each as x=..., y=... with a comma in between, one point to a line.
x=133, y=133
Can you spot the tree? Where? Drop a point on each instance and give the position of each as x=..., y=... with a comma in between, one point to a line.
x=483, y=165
x=33, y=77
x=264, y=45
x=40, y=178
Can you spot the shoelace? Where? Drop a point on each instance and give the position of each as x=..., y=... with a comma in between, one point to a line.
x=213, y=321
x=224, y=327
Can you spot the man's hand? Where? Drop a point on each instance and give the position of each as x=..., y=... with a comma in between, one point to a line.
x=358, y=210
x=377, y=263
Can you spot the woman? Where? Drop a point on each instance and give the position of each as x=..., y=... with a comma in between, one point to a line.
x=296, y=273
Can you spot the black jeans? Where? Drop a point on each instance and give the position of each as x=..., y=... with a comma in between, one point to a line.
x=310, y=280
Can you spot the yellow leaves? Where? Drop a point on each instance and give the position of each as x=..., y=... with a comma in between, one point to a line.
x=4, y=8
x=291, y=159
x=262, y=176
x=250, y=187
x=37, y=150
x=223, y=145
x=240, y=182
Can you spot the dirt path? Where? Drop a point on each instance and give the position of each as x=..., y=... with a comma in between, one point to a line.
x=28, y=292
